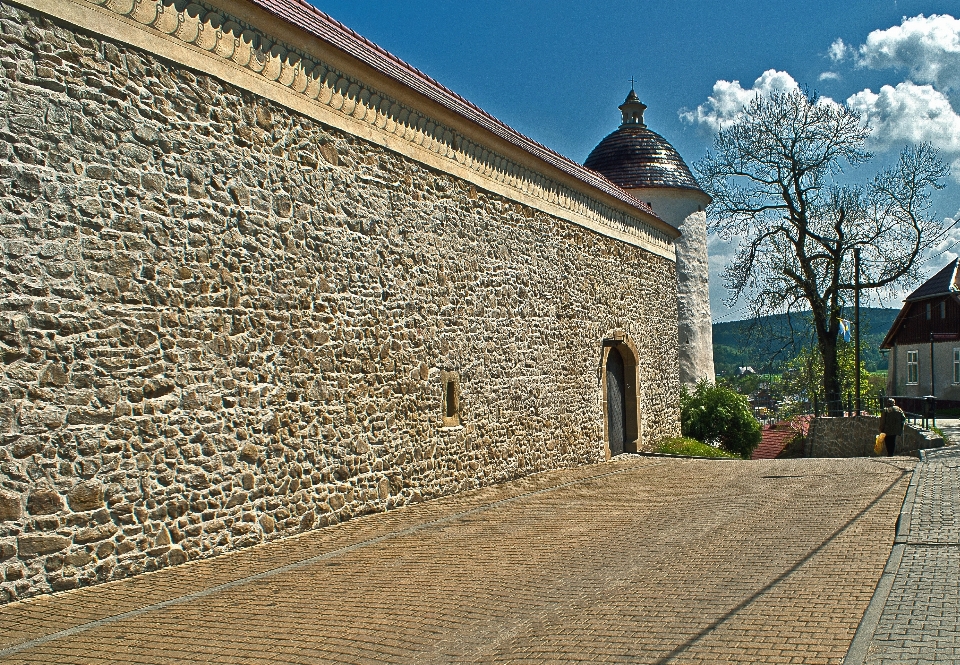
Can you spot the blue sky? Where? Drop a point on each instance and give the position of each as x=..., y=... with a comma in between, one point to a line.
x=556, y=71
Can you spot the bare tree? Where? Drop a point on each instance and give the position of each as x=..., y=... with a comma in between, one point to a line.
x=775, y=178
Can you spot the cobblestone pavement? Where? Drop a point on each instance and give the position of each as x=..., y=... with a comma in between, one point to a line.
x=951, y=429
x=639, y=560
x=915, y=615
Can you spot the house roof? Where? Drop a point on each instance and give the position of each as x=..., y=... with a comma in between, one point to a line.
x=774, y=438
x=311, y=20
x=887, y=342
x=942, y=284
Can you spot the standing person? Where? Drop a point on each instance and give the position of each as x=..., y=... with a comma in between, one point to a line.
x=891, y=424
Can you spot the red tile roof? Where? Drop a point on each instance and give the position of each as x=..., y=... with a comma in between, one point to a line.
x=311, y=20
x=774, y=439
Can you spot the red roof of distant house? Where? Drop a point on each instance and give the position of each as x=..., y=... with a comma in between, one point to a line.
x=774, y=439
x=311, y=20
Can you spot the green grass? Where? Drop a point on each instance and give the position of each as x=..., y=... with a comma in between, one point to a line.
x=680, y=445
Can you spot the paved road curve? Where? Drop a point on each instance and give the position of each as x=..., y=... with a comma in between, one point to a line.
x=640, y=560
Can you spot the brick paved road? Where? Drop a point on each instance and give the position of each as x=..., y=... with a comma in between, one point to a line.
x=641, y=560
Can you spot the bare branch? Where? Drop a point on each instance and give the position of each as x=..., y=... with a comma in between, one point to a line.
x=772, y=179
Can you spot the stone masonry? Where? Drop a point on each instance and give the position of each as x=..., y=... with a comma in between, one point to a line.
x=223, y=321
x=855, y=437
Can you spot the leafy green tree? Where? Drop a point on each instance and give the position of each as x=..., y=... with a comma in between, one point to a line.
x=715, y=413
x=802, y=376
x=745, y=385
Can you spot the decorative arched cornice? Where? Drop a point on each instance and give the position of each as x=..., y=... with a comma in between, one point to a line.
x=233, y=41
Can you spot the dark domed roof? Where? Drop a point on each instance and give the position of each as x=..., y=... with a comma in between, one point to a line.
x=634, y=157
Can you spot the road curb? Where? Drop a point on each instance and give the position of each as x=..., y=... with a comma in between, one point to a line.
x=906, y=510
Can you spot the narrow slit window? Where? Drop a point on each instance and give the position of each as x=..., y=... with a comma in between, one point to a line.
x=913, y=368
x=943, y=309
x=450, y=409
x=451, y=399
x=929, y=307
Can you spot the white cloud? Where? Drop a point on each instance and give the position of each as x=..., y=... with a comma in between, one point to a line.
x=838, y=51
x=829, y=76
x=926, y=47
x=729, y=99
x=909, y=113
x=946, y=250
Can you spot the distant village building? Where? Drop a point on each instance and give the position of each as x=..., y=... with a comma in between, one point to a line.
x=263, y=276
x=643, y=163
x=924, y=341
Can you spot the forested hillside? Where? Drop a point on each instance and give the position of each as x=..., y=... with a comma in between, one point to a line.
x=766, y=344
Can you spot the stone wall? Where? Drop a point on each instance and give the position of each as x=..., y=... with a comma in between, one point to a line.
x=223, y=321
x=855, y=437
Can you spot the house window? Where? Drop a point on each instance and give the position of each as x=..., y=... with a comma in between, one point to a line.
x=943, y=309
x=956, y=365
x=913, y=368
x=929, y=307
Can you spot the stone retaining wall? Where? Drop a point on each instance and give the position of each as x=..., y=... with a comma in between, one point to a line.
x=855, y=437
x=223, y=321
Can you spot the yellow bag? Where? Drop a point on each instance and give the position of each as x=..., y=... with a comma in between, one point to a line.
x=879, y=446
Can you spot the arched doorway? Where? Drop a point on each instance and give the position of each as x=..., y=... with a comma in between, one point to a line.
x=621, y=403
x=616, y=402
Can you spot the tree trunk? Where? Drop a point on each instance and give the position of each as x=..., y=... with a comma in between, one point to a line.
x=831, y=376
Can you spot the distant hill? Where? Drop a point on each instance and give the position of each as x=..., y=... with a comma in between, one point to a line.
x=765, y=347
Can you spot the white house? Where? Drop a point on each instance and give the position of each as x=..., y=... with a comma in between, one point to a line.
x=925, y=336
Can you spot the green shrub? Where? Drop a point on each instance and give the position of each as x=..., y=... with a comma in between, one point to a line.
x=718, y=414
x=679, y=445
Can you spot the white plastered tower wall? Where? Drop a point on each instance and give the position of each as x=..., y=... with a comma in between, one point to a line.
x=684, y=209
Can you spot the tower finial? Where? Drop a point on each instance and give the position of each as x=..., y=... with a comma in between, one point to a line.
x=632, y=109
x=632, y=83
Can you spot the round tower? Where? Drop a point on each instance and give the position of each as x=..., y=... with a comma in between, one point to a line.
x=644, y=164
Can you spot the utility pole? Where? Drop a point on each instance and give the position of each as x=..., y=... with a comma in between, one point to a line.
x=856, y=322
x=930, y=405
x=933, y=386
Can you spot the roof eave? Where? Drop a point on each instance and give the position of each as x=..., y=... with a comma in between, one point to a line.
x=938, y=294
